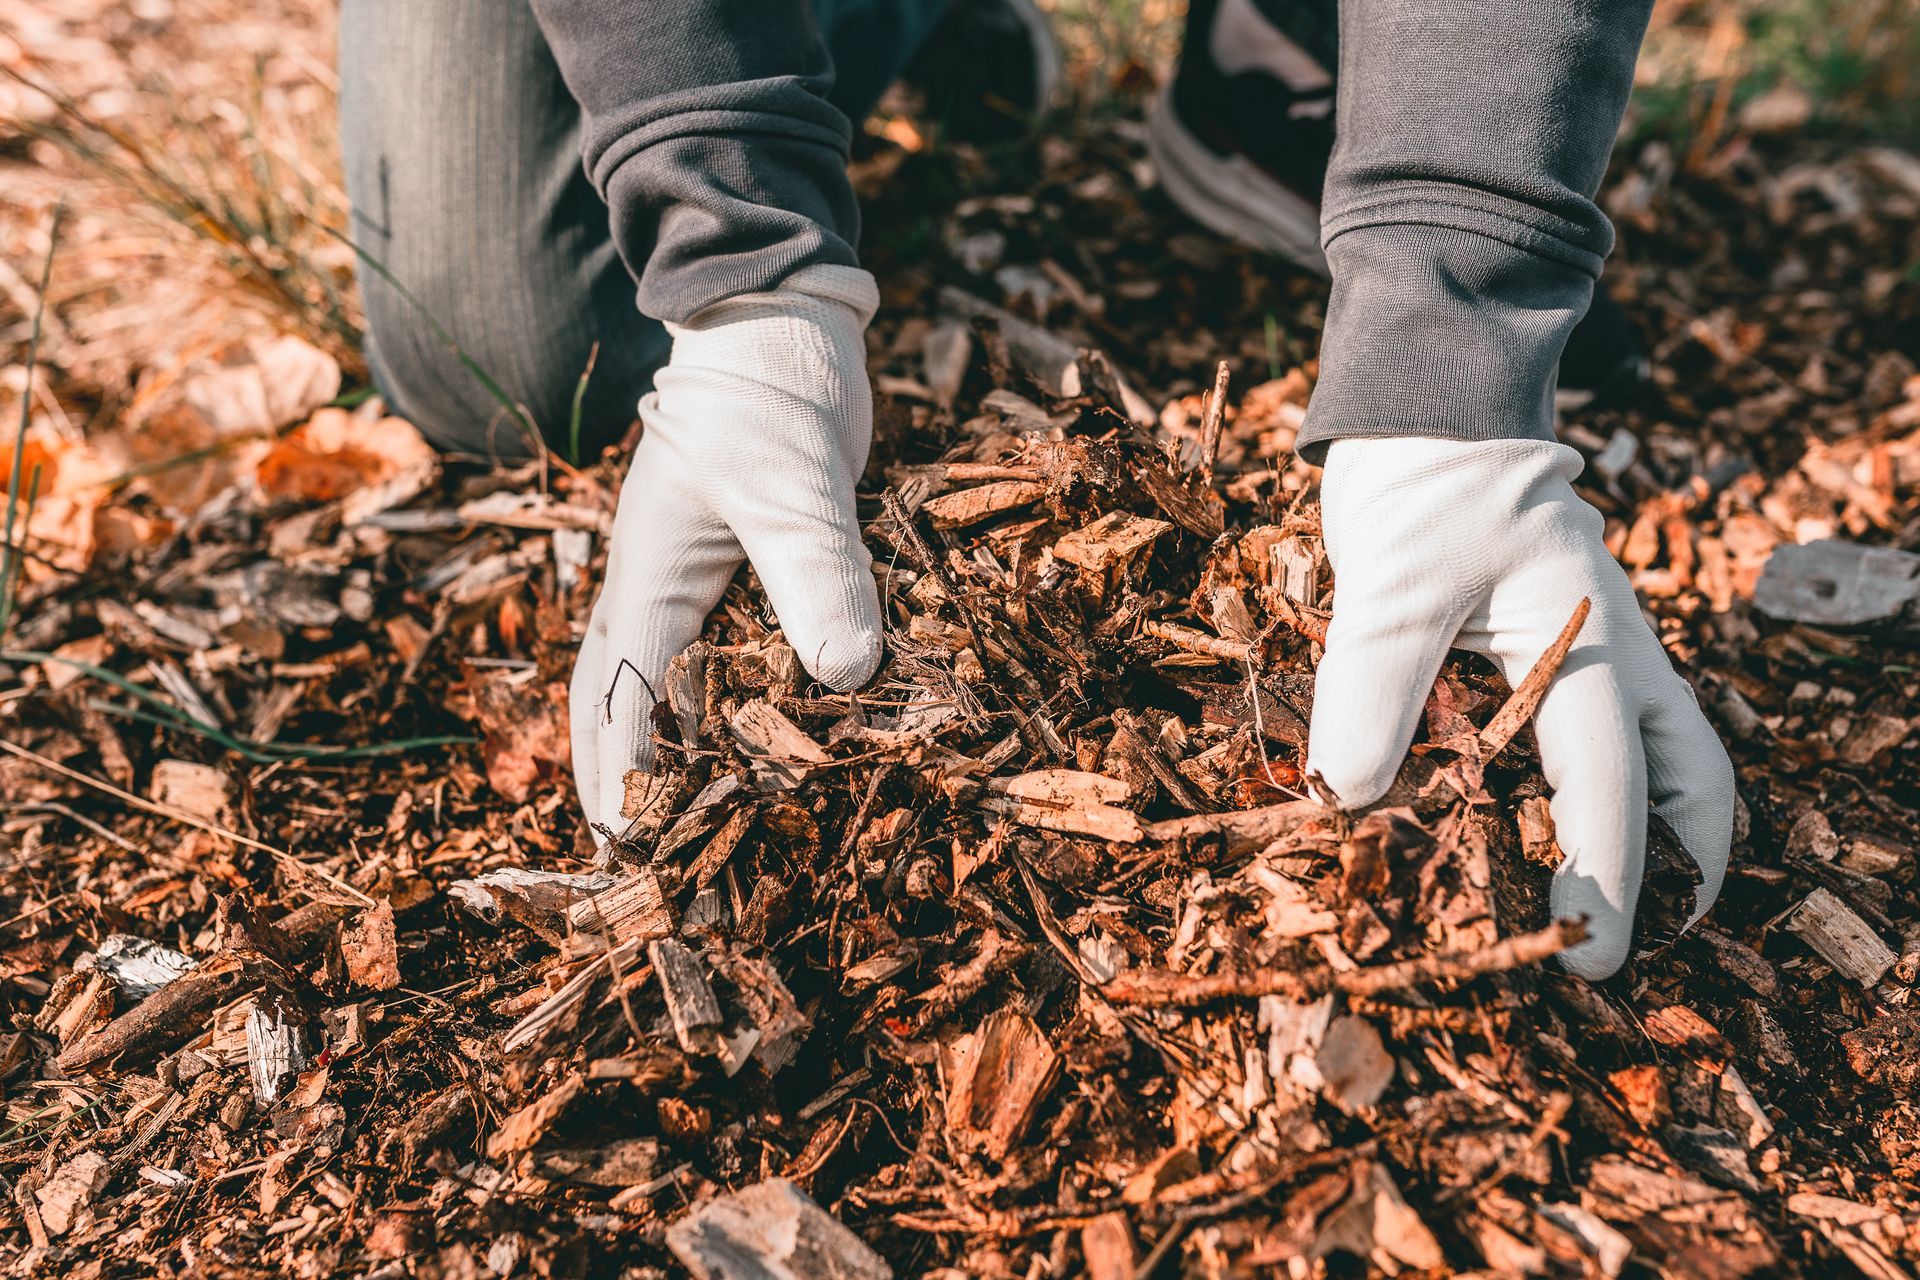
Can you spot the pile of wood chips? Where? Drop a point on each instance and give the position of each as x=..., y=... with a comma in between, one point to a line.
x=1036, y=957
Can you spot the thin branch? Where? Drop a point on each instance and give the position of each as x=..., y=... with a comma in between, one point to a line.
x=1159, y=987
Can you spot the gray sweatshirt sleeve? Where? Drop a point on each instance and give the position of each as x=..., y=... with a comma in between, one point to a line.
x=709, y=135
x=1458, y=215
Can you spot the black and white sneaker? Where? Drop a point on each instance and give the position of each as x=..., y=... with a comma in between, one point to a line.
x=1241, y=138
x=988, y=70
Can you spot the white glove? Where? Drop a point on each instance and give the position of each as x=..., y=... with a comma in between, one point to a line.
x=1484, y=545
x=756, y=434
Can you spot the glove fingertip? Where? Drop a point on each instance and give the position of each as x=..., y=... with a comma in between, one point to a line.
x=1596, y=959
x=1355, y=783
x=846, y=661
x=1609, y=929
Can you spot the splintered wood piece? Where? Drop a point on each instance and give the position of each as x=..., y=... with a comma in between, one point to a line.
x=1230, y=615
x=1114, y=538
x=1681, y=1029
x=556, y=1008
x=370, y=950
x=1062, y=787
x=1245, y=830
x=1827, y=924
x=686, y=689
x=198, y=789
x=690, y=999
x=1212, y=418
x=776, y=1014
x=525, y=1127
x=1526, y=698
x=1151, y=986
x=1066, y=800
x=996, y=1078
x=1736, y=1107
x=1107, y=1242
x=646, y=800
x=1534, y=818
x=1643, y=1092
x=771, y=1231
x=273, y=1050
x=781, y=751
x=982, y=502
x=70, y=1192
x=1840, y=584
x=700, y=815
x=525, y=894
x=1296, y=569
x=1199, y=642
x=634, y=909
x=708, y=862
x=75, y=1006
x=625, y=1162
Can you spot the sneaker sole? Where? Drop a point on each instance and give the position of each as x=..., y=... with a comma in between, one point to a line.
x=1046, y=53
x=1230, y=195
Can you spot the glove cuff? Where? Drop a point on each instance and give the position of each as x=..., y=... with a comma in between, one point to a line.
x=849, y=287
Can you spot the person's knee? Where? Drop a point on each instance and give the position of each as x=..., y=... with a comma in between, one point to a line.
x=493, y=366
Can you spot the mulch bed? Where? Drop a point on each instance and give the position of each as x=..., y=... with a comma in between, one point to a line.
x=1037, y=956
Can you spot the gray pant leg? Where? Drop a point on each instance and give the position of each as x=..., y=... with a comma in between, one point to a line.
x=462, y=153
x=1458, y=216
x=710, y=126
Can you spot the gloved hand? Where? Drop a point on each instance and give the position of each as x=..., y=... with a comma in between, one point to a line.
x=756, y=433
x=1485, y=546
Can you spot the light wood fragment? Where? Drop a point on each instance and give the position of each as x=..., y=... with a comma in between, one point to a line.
x=771, y=1231
x=964, y=507
x=1107, y=1242
x=1296, y=569
x=781, y=751
x=525, y=1127
x=996, y=1077
x=1827, y=924
x=634, y=909
x=69, y=1194
x=1114, y=538
x=199, y=789
x=370, y=949
x=1840, y=584
x=690, y=999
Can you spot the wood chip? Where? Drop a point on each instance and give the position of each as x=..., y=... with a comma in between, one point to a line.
x=1845, y=941
x=199, y=789
x=525, y=1127
x=1353, y=1065
x=1107, y=1243
x=1840, y=584
x=370, y=949
x=1067, y=800
x=771, y=1231
x=690, y=1000
x=996, y=1077
x=633, y=910
x=1114, y=538
x=781, y=752
x=966, y=507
